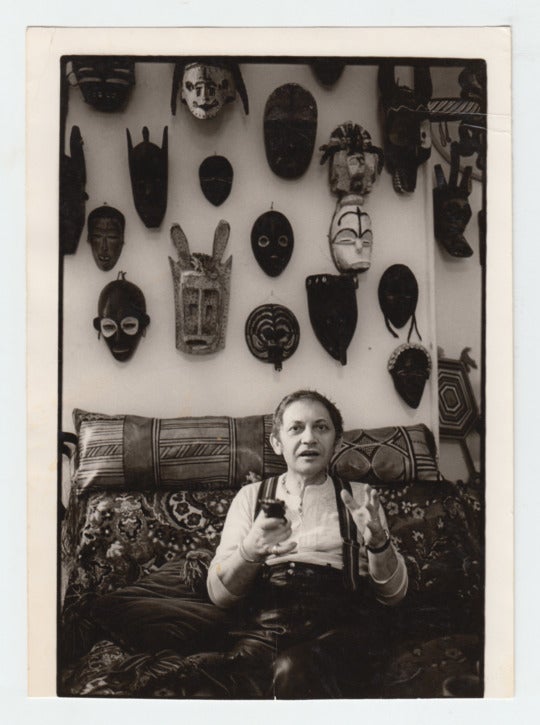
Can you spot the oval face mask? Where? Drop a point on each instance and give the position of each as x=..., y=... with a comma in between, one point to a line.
x=290, y=126
x=216, y=177
x=410, y=367
x=206, y=86
x=351, y=236
x=122, y=318
x=148, y=169
x=272, y=241
x=398, y=296
x=272, y=334
x=333, y=312
x=106, y=235
x=328, y=70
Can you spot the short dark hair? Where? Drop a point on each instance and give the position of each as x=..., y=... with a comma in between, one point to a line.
x=333, y=411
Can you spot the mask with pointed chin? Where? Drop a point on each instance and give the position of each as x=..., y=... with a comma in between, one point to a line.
x=351, y=236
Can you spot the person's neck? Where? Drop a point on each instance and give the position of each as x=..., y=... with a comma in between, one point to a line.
x=296, y=483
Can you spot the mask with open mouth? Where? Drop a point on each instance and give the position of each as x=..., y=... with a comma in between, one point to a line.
x=207, y=86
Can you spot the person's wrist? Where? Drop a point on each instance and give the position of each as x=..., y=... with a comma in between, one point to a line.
x=379, y=544
x=247, y=556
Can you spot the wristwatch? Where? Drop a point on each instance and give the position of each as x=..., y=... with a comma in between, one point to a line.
x=383, y=547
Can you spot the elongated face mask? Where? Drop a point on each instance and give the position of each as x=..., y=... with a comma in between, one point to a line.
x=148, y=169
x=290, y=127
x=72, y=194
x=122, y=318
x=410, y=368
x=333, y=312
x=106, y=235
x=216, y=177
x=272, y=241
x=351, y=236
x=451, y=210
x=398, y=297
x=206, y=86
x=105, y=81
x=201, y=293
x=272, y=334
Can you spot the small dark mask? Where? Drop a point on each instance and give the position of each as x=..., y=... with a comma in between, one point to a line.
x=105, y=81
x=216, y=177
x=410, y=367
x=328, y=70
x=333, y=312
x=407, y=137
x=272, y=241
x=106, y=227
x=398, y=296
x=272, y=334
x=73, y=196
x=451, y=210
x=290, y=126
x=122, y=318
x=148, y=169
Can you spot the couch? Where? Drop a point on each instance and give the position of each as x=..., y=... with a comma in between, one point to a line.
x=149, y=495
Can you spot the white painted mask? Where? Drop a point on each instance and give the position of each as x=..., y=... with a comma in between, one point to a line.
x=351, y=236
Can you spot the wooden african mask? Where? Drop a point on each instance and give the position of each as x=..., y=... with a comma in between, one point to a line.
x=272, y=242
x=105, y=81
x=328, y=70
x=106, y=227
x=206, y=85
x=351, y=236
x=398, y=297
x=290, y=126
x=410, y=368
x=333, y=312
x=216, y=177
x=72, y=202
x=201, y=293
x=148, y=169
x=451, y=210
x=122, y=318
x=272, y=334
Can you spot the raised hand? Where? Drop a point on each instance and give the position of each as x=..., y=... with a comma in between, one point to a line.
x=367, y=516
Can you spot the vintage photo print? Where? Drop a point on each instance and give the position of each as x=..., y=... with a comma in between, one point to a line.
x=266, y=451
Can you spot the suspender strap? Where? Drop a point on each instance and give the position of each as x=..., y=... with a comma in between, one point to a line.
x=267, y=489
x=349, y=534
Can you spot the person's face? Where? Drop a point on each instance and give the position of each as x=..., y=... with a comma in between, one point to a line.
x=307, y=438
x=107, y=239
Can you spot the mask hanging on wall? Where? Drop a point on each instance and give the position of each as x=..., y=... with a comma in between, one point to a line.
x=216, y=177
x=201, y=293
x=328, y=70
x=355, y=163
x=106, y=227
x=351, y=236
x=272, y=241
x=105, y=81
x=398, y=297
x=407, y=128
x=148, y=169
x=290, y=126
x=333, y=312
x=272, y=334
x=73, y=196
x=410, y=367
x=207, y=85
x=451, y=210
x=122, y=318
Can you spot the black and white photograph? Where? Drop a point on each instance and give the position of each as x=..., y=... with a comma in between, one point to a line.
x=271, y=315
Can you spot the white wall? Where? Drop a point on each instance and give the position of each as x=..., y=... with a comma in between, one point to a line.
x=161, y=381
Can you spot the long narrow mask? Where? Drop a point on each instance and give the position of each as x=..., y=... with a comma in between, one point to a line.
x=72, y=211
x=333, y=312
x=148, y=169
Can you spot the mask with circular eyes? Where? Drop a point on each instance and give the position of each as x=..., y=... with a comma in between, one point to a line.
x=290, y=127
x=206, y=86
x=333, y=311
x=105, y=81
x=272, y=334
x=398, y=296
x=355, y=163
x=410, y=368
x=216, y=177
x=148, y=169
x=351, y=236
x=122, y=318
x=272, y=241
x=106, y=235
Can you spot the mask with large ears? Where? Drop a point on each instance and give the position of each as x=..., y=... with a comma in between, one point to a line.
x=272, y=334
x=407, y=127
x=410, y=368
x=451, y=210
x=201, y=293
x=206, y=85
x=148, y=169
x=333, y=311
x=105, y=81
x=72, y=194
x=122, y=318
x=106, y=235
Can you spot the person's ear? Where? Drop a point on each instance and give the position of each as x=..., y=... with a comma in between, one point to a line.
x=276, y=444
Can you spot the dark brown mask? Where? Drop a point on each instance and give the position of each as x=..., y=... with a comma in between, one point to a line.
x=333, y=312
x=451, y=210
x=216, y=177
x=272, y=241
x=410, y=367
x=105, y=81
x=148, y=169
x=328, y=70
x=272, y=334
x=72, y=194
x=290, y=126
x=398, y=296
x=106, y=227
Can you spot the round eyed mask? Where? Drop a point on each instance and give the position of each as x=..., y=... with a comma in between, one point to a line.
x=272, y=241
x=351, y=236
x=122, y=318
x=106, y=236
x=272, y=334
x=398, y=296
x=410, y=367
